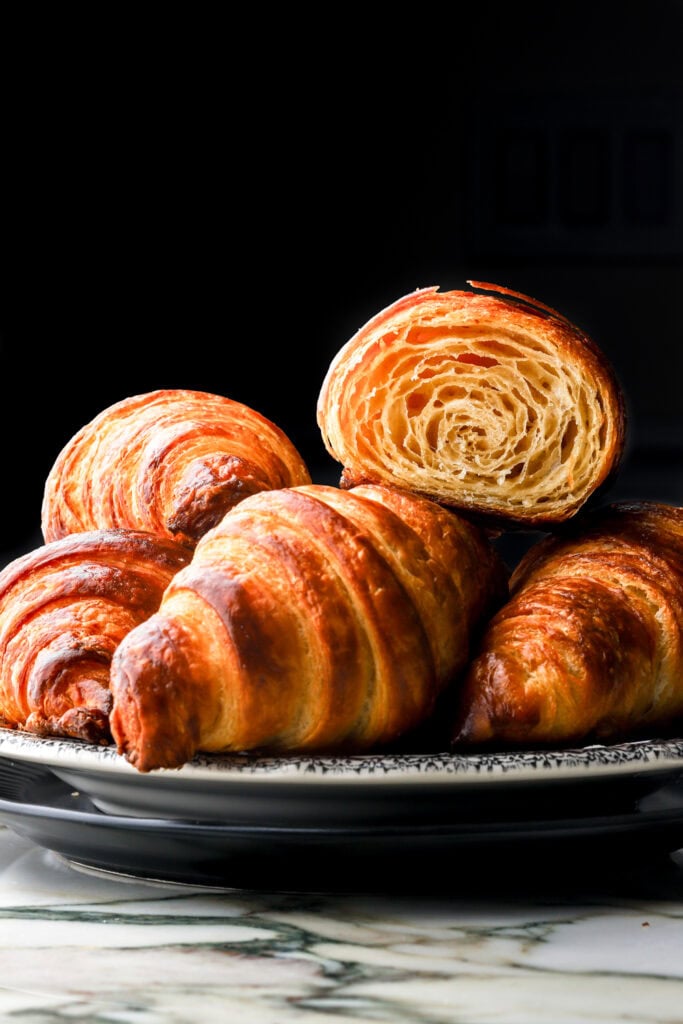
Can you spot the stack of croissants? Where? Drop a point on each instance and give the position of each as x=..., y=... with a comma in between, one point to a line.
x=198, y=592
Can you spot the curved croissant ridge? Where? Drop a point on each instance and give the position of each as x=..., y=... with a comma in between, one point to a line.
x=171, y=462
x=489, y=403
x=590, y=643
x=310, y=619
x=64, y=608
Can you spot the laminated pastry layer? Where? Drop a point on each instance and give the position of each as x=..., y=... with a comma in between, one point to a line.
x=170, y=462
x=589, y=647
x=64, y=608
x=488, y=403
x=310, y=619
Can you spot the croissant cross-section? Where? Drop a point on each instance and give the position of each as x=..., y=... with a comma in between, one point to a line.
x=494, y=404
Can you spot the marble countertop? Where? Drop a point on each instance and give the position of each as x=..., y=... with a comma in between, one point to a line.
x=79, y=946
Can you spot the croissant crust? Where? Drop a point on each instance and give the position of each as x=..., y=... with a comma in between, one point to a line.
x=492, y=404
x=64, y=608
x=590, y=643
x=170, y=462
x=310, y=619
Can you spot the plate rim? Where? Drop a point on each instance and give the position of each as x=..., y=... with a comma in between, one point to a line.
x=37, y=810
x=642, y=756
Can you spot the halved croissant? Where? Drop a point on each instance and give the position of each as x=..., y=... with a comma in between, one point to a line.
x=494, y=405
x=590, y=643
x=64, y=608
x=170, y=462
x=309, y=619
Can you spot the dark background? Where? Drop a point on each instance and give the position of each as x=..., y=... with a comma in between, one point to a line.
x=194, y=204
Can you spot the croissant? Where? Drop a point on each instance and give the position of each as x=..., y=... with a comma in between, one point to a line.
x=590, y=643
x=64, y=607
x=170, y=462
x=495, y=405
x=310, y=619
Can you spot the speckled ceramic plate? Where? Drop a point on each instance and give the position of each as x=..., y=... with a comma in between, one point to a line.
x=467, y=854
x=381, y=789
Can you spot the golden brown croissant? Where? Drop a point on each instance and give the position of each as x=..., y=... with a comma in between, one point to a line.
x=492, y=404
x=309, y=619
x=171, y=462
x=64, y=608
x=590, y=643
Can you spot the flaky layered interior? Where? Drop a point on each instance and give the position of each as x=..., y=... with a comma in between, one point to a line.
x=475, y=402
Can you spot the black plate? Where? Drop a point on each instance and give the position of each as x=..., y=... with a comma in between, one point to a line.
x=330, y=792
x=41, y=807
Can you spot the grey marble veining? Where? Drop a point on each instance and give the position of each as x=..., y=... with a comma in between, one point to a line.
x=76, y=946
